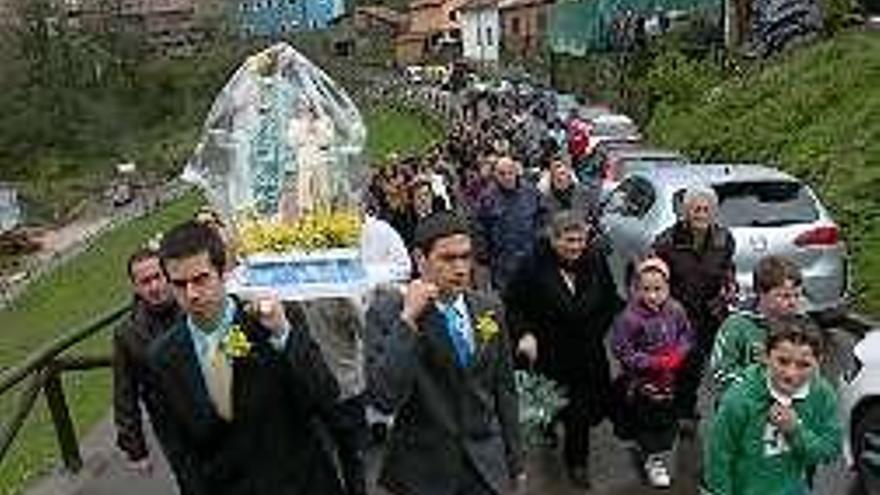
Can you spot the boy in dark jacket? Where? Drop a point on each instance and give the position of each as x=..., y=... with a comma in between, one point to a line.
x=651, y=339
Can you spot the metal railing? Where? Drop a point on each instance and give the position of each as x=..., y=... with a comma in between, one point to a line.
x=41, y=371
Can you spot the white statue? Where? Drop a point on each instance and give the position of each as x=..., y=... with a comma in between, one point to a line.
x=310, y=133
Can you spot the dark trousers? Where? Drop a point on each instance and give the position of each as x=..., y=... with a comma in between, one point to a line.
x=655, y=423
x=348, y=427
x=576, y=441
x=688, y=383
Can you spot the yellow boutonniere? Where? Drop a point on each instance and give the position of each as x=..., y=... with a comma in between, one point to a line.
x=236, y=344
x=487, y=327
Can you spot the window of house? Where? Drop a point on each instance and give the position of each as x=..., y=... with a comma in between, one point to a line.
x=542, y=21
x=488, y=35
x=514, y=26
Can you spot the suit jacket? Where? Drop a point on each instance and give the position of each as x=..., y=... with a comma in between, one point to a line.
x=132, y=380
x=449, y=419
x=273, y=445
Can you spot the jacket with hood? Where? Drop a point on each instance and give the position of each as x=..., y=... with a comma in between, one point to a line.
x=746, y=455
x=642, y=336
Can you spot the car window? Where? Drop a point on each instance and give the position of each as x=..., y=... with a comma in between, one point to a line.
x=614, y=129
x=633, y=163
x=761, y=204
x=634, y=197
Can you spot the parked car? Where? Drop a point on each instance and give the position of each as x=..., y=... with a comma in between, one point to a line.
x=414, y=74
x=565, y=104
x=768, y=212
x=614, y=160
x=860, y=412
x=611, y=126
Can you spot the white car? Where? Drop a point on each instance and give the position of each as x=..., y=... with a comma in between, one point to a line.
x=860, y=412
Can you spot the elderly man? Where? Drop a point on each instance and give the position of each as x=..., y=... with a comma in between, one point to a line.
x=443, y=362
x=508, y=220
x=153, y=312
x=699, y=252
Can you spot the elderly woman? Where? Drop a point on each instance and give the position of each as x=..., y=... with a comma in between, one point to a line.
x=560, y=307
x=699, y=252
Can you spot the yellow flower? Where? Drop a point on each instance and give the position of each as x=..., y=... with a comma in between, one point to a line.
x=236, y=344
x=315, y=231
x=487, y=327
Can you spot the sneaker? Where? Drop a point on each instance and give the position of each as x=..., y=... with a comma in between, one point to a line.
x=656, y=472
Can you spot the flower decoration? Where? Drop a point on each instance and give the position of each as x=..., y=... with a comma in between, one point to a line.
x=311, y=232
x=487, y=327
x=236, y=344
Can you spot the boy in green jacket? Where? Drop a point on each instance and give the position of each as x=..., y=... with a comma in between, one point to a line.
x=777, y=422
x=740, y=341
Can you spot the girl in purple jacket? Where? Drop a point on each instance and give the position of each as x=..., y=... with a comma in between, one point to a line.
x=651, y=339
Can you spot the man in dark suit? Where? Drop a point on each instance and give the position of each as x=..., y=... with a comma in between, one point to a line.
x=439, y=357
x=240, y=390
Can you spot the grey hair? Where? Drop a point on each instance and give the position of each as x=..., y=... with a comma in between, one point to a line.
x=567, y=221
x=699, y=192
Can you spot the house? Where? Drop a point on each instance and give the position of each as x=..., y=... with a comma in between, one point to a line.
x=480, y=31
x=170, y=27
x=379, y=19
x=434, y=31
x=271, y=18
x=524, y=26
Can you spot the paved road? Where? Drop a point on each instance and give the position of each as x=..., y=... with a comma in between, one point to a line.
x=613, y=466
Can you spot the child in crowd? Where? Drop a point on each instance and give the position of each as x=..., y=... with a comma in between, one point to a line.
x=651, y=339
x=740, y=341
x=777, y=421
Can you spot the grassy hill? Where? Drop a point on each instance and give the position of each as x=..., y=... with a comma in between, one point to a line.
x=814, y=113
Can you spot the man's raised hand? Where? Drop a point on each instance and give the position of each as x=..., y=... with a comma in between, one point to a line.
x=419, y=294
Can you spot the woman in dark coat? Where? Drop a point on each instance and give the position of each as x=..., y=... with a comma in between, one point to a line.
x=699, y=252
x=561, y=305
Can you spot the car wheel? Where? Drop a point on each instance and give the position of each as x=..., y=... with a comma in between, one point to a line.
x=866, y=449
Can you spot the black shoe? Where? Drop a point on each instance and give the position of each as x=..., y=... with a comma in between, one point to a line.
x=579, y=476
x=687, y=427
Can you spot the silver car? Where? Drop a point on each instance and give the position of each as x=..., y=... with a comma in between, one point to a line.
x=768, y=211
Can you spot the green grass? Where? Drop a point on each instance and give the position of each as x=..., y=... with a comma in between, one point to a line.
x=92, y=283
x=815, y=113
x=401, y=131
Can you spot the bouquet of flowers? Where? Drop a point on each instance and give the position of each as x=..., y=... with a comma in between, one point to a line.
x=540, y=400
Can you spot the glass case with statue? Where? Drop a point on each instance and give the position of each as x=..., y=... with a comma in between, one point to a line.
x=280, y=159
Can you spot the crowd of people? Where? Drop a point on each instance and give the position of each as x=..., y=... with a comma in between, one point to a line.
x=508, y=270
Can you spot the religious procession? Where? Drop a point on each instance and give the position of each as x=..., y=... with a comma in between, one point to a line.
x=428, y=327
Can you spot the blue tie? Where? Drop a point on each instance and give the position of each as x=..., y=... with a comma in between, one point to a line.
x=454, y=328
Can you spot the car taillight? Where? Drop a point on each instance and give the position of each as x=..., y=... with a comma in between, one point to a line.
x=820, y=236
